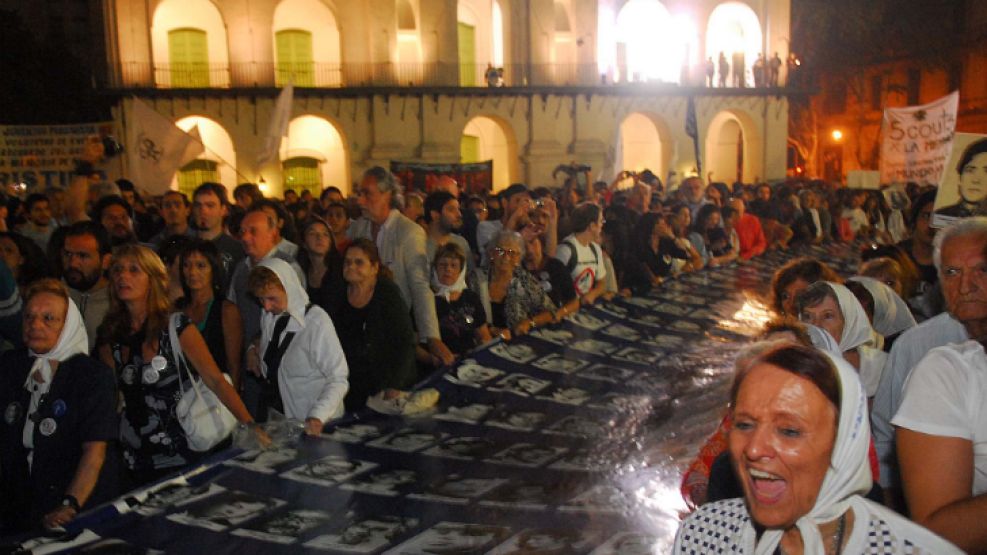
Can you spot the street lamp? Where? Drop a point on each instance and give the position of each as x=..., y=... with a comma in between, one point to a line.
x=837, y=135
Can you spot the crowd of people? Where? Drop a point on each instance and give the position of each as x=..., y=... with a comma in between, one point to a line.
x=308, y=307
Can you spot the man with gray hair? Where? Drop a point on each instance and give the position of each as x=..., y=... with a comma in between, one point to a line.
x=960, y=255
x=401, y=244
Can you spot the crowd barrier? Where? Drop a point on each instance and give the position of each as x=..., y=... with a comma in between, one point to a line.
x=571, y=439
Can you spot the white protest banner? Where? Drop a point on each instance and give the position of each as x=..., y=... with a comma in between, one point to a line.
x=963, y=190
x=41, y=156
x=916, y=141
x=863, y=179
x=157, y=148
x=277, y=127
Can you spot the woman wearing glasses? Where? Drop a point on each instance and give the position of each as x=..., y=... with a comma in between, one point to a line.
x=514, y=300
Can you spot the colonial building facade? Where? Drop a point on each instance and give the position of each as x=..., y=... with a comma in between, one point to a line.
x=529, y=84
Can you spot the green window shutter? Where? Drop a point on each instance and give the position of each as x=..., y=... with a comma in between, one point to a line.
x=188, y=52
x=303, y=174
x=196, y=173
x=295, y=58
x=469, y=149
x=467, y=55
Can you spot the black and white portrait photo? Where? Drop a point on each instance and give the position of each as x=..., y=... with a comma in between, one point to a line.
x=602, y=498
x=226, y=510
x=614, y=309
x=408, y=440
x=526, y=455
x=514, y=352
x=509, y=418
x=648, y=319
x=353, y=433
x=686, y=326
x=520, y=384
x=468, y=414
x=453, y=538
x=329, y=471
x=565, y=395
x=581, y=427
x=593, y=346
x=604, y=373
x=384, y=482
x=635, y=355
x=622, y=402
x=555, y=362
x=264, y=460
x=584, y=460
x=176, y=495
x=283, y=526
x=472, y=374
x=463, y=448
x=456, y=489
x=533, y=494
x=664, y=341
x=587, y=321
x=620, y=331
x=368, y=535
x=554, y=336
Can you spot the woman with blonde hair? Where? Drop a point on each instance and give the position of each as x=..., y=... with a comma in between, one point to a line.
x=135, y=340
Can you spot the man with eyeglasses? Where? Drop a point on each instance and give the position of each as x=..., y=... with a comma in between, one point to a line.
x=85, y=259
x=401, y=243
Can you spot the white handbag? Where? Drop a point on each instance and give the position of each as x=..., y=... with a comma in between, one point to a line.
x=205, y=418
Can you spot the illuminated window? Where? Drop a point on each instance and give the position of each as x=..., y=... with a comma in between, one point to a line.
x=295, y=58
x=406, y=16
x=735, y=30
x=196, y=173
x=303, y=174
x=188, y=53
x=643, y=29
x=467, y=55
x=469, y=149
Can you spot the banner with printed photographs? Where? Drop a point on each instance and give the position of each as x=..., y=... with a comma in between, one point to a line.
x=474, y=179
x=571, y=439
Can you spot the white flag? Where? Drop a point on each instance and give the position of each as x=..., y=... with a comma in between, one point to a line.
x=277, y=127
x=157, y=149
x=194, y=148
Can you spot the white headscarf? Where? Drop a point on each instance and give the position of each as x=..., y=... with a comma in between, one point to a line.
x=891, y=313
x=297, y=297
x=822, y=340
x=72, y=341
x=442, y=290
x=856, y=327
x=849, y=473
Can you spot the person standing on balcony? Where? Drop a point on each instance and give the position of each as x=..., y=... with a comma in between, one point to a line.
x=774, y=68
x=710, y=71
x=724, y=70
x=492, y=76
x=760, y=71
x=739, y=70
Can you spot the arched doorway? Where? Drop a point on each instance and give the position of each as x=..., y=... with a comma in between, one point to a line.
x=486, y=138
x=306, y=44
x=729, y=153
x=313, y=156
x=188, y=45
x=734, y=29
x=643, y=28
x=641, y=145
x=409, y=45
x=216, y=164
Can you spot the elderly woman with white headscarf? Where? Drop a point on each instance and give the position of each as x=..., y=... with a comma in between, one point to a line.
x=302, y=362
x=891, y=313
x=799, y=447
x=59, y=416
x=834, y=308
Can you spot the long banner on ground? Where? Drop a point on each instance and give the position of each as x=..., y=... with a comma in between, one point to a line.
x=571, y=439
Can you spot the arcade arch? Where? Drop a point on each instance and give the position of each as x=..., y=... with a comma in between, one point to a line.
x=306, y=44
x=217, y=163
x=642, y=146
x=489, y=138
x=313, y=156
x=733, y=150
x=189, y=46
x=734, y=29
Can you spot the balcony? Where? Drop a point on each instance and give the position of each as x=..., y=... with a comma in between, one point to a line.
x=388, y=75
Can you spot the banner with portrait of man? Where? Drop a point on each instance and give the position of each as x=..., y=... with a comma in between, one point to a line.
x=963, y=189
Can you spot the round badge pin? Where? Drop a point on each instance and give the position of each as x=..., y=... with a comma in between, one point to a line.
x=159, y=363
x=47, y=426
x=12, y=413
x=59, y=408
x=127, y=374
x=150, y=375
